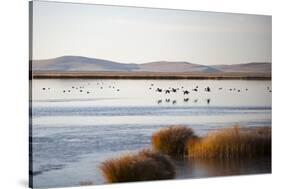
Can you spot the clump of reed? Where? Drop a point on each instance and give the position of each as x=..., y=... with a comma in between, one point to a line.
x=232, y=143
x=172, y=140
x=142, y=166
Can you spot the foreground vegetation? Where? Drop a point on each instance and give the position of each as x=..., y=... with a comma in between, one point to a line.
x=224, y=145
x=141, y=166
x=172, y=140
x=232, y=143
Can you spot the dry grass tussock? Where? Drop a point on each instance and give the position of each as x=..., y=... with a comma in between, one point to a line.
x=142, y=166
x=172, y=140
x=232, y=143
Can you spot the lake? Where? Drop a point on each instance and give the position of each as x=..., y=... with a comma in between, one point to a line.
x=78, y=123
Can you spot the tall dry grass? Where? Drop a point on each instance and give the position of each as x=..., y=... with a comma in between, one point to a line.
x=172, y=140
x=142, y=166
x=232, y=143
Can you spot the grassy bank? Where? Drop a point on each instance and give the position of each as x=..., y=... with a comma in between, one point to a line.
x=146, y=75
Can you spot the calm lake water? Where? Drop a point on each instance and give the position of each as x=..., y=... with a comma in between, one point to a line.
x=76, y=124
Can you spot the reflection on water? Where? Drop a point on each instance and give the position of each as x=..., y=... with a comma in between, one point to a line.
x=198, y=168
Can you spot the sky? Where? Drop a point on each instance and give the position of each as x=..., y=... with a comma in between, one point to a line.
x=140, y=35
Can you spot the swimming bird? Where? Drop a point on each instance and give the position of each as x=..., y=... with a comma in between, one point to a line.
x=167, y=92
x=159, y=90
x=185, y=92
x=207, y=89
x=185, y=99
x=174, y=90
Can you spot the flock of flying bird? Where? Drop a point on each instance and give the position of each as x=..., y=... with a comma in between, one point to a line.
x=169, y=90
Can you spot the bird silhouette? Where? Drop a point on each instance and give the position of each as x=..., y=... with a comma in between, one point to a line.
x=185, y=99
x=167, y=92
x=207, y=89
x=185, y=92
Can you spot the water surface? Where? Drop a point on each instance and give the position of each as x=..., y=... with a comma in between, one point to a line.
x=79, y=123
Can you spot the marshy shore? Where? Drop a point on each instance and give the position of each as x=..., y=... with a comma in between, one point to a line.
x=226, y=149
x=147, y=75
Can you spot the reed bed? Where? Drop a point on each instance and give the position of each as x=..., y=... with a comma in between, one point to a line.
x=172, y=140
x=142, y=166
x=232, y=143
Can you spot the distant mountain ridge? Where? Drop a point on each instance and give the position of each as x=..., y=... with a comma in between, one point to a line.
x=257, y=67
x=80, y=63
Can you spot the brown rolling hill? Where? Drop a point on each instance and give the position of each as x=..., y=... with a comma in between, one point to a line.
x=82, y=64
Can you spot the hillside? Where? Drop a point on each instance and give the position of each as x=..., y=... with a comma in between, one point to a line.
x=85, y=64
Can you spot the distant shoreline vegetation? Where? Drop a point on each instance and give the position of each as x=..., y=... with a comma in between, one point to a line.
x=146, y=75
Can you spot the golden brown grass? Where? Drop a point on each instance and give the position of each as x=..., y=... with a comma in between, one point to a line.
x=172, y=140
x=142, y=166
x=232, y=143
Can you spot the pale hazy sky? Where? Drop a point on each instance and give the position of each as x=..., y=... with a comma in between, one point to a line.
x=138, y=35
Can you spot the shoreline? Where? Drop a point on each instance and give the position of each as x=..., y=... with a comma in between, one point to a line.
x=148, y=75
